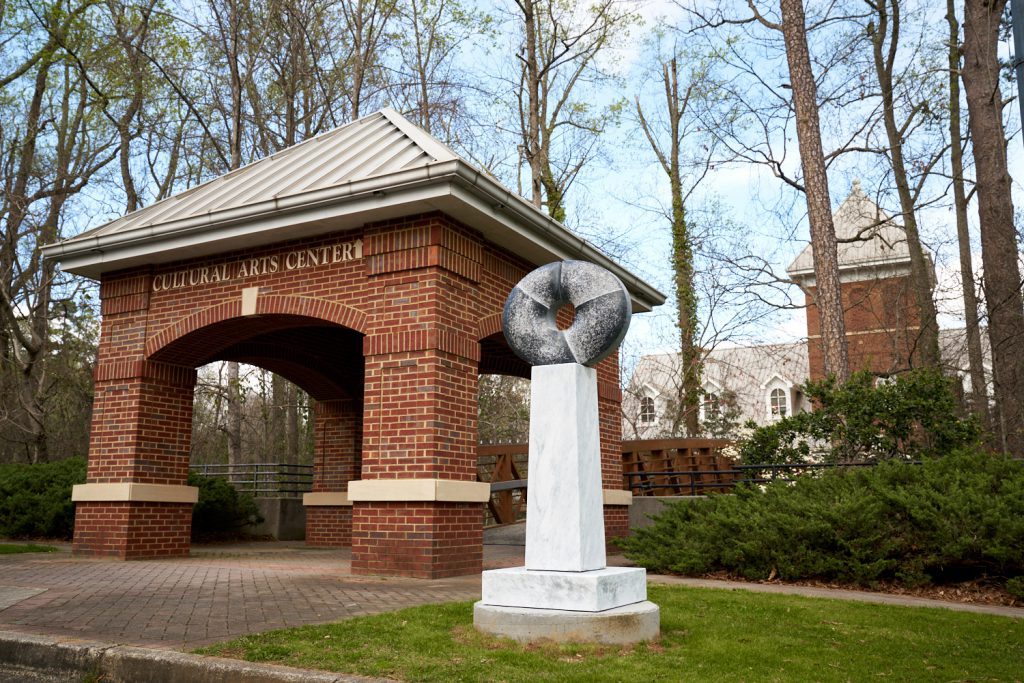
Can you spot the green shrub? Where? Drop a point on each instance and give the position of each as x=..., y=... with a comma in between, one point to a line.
x=913, y=416
x=950, y=519
x=222, y=510
x=35, y=500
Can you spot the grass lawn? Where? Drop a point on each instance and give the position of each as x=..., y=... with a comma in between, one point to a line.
x=15, y=548
x=707, y=635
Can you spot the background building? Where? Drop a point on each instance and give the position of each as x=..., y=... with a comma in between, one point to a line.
x=763, y=382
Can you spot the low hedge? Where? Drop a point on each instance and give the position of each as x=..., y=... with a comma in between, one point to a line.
x=35, y=502
x=950, y=519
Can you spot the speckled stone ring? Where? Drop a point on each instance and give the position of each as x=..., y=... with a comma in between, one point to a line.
x=602, y=314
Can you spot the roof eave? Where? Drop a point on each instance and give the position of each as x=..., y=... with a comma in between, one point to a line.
x=437, y=185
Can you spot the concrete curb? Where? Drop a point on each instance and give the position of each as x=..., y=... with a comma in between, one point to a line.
x=125, y=664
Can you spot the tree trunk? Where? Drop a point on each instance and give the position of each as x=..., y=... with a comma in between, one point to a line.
x=292, y=423
x=234, y=426
x=688, y=391
x=531, y=145
x=920, y=271
x=979, y=387
x=276, y=438
x=999, y=250
x=819, y=210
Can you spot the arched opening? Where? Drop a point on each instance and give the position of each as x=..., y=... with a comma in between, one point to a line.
x=503, y=403
x=324, y=360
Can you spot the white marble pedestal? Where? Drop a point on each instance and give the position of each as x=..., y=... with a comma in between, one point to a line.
x=594, y=591
x=566, y=591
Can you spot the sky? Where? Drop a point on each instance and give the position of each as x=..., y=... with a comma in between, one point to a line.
x=748, y=194
x=618, y=194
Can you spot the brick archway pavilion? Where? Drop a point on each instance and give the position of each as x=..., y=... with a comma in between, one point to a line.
x=368, y=265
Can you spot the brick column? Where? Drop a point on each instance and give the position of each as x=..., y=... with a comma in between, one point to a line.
x=135, y=503
x=616, y=500
x=418, y=510
x=338, y=442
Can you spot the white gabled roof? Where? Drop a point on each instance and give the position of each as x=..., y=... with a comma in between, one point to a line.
x=376, y=168
x=878, y=242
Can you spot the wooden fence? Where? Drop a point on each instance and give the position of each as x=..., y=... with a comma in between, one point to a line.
x=665, y=467
x=677, y=467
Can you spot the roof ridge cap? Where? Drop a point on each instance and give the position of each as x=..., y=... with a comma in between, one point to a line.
x=424, y=140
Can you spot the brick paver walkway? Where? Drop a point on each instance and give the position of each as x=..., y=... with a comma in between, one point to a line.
x=222, y=592
x=218, y=593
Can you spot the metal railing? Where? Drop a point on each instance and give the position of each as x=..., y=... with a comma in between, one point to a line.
x=263, y=479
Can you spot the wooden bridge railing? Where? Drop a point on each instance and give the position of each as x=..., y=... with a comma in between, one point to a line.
x=674, y=467
x=505, y=467
x=662, y=467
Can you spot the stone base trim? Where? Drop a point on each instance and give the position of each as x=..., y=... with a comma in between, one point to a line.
x=617, y=497
x=620, y=626
x=597, y=590
x=332, y=498
x=133, y=492
x=406, y=490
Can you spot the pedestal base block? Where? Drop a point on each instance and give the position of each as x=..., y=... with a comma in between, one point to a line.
x=594, y=591
x=620, y=626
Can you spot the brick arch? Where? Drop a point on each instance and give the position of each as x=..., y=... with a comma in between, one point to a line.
x=272, y=304
x=496, y=358
x=488, y=325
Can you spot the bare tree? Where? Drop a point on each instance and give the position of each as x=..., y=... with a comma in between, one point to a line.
x=430, y=83
x=885, y=33
x=558, y=129
x=54, y=149
x=999, y=249
x=670, y=157
x=366, y=23
x=979, y=386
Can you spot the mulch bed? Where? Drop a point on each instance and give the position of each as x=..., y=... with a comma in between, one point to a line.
x=978, y=591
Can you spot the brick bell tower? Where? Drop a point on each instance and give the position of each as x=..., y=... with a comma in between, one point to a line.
x=882, y=319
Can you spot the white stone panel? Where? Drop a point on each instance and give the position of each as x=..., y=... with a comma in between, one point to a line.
x=564, y=513
x=622, y=625
x=592, y=591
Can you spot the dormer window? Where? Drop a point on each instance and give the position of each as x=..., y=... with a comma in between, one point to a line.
x=712, y=406
x=647, y=413
x=777, y=403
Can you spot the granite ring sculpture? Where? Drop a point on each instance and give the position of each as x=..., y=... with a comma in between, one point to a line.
x=602, y=306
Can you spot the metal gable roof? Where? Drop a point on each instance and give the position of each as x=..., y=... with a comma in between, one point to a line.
x=376, y=168
x=383, y=142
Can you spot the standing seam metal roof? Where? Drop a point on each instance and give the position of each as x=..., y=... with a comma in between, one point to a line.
x=378, y=167
x=375, y=145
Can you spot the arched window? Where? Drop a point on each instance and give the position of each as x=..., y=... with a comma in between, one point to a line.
x=712, y=406
x=647, y=409
x=777, y=402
